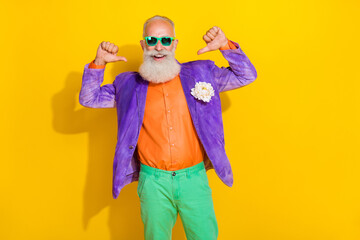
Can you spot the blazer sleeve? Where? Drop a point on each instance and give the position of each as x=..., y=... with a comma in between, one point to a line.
x=240, y=72
x=92, y=94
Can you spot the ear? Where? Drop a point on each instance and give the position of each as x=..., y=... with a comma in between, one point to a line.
x=142, y=43
x=175, y=43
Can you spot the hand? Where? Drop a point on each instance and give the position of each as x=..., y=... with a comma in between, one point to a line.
x=106, y=53
x=215, y=39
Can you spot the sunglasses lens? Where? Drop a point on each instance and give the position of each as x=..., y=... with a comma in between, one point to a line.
x=166, y=41
x=151, y=41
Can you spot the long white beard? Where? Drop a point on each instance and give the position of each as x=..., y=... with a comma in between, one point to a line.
x=162, y=71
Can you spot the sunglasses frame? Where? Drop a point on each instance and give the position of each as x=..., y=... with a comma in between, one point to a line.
x=158, y=39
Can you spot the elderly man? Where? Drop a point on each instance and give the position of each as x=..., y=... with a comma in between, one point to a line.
x=170, y=129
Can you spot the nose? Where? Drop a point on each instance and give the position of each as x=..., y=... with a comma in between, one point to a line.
x=158, y=46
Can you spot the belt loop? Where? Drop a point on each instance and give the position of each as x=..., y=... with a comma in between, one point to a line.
x=188, y=173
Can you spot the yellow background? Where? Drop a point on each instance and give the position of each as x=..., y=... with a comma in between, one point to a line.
x=292, y=136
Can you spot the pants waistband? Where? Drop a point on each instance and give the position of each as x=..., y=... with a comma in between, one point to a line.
x=156, y=171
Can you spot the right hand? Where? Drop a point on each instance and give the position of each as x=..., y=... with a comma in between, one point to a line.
x=106, y=53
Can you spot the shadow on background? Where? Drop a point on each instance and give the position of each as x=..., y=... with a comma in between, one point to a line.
x=101, y=126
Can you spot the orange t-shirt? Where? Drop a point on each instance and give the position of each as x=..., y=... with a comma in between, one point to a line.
x=168, y=139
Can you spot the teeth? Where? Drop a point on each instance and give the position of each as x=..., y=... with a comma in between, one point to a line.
x=159, y=56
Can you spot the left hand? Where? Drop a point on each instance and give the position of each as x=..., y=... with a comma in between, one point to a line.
x=215, y=39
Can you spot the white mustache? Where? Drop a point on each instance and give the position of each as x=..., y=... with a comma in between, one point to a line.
x=155, y=52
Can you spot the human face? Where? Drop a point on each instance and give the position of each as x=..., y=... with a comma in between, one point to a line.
x=159, y=28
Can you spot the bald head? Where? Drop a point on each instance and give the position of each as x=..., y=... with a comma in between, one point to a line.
x=159, y=21
x=159, y=26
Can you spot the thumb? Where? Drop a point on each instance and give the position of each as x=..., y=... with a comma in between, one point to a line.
x=203, y=50
x=120, y=58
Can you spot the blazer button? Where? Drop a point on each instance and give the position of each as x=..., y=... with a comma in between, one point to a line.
x=131, y=147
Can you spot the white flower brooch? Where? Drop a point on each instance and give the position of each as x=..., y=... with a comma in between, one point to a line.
x=203, y=91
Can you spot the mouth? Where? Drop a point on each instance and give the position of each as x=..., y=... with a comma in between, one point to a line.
x=158, y=57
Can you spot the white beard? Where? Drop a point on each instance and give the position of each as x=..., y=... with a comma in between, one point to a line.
x=162, y=71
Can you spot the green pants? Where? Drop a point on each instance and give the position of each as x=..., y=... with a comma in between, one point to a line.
x=163, y=194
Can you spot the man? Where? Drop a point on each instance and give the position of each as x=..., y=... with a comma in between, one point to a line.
x=170, y=128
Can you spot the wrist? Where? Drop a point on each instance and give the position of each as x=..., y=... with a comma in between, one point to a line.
x=96, y=65
x=99, y=61
x=225, y=45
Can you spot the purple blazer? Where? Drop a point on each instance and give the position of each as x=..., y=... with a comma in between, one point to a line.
x=128, y=94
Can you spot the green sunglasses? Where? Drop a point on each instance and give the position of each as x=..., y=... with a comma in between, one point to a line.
x=165, y=41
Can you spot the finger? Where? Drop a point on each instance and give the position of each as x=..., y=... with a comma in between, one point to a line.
x=120, y=58
x=213, y=32
x=203, y=50
x=116, y=49
x=103, y=45
x=220, y=31
x=107, y=46
x=206, y=38
x=112, y=48
x=216, y=29
x=212, y=37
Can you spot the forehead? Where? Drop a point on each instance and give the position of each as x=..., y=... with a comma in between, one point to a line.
x=159, y=28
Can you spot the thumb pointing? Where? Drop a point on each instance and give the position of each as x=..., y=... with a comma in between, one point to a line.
x=120, y=58
x=203, y=50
